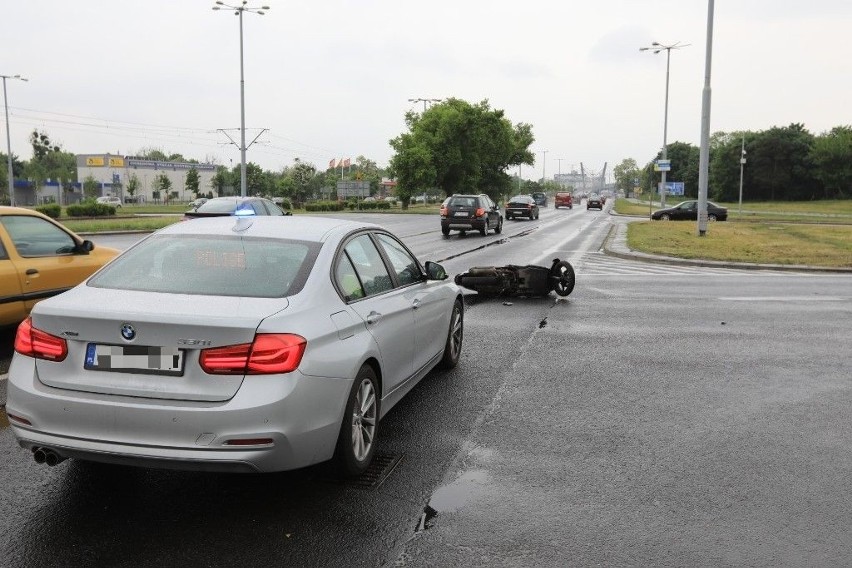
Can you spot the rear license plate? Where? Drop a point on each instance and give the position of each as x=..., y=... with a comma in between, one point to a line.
x=462, y=213
x=134, y=359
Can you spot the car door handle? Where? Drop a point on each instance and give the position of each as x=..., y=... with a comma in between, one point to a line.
x=415, y=304
x=373, y=317
x=31, y=271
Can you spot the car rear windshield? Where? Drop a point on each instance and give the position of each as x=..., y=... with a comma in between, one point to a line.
x=220, y=206
x=463, y=202
x=219, y=265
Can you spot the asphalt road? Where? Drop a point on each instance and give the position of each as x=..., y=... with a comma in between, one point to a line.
x=661, y=415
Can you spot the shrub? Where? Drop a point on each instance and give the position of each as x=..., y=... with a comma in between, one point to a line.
x=90, y=209
x=52, y=210
x=323, y=206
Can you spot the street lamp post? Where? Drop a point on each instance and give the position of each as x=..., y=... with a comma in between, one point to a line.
x=425, y=102
x=742, y=163
x=543, y=167
x=9, y=174
x=657, y=48
x=238, y=10
x=704, y=154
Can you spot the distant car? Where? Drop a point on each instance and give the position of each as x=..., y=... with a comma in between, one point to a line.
x=110, y=200
x=563, y=199
x=688, y=211
x=522, y=206
x=594, y=201
x=540, y=198
x=470, y=213
x=249, y=344
x=239, y=206
x=40, y=258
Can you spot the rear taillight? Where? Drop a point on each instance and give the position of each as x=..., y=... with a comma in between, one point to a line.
x=443, y=211
x=480, y=212
x=35, y=343
x=269, y=353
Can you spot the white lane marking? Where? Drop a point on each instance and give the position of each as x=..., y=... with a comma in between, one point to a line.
x=784, y=299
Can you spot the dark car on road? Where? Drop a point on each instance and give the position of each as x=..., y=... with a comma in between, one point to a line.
x=238, y=206
x=522, y=206
x=688, y=211
x=540, y=198
x=464, y=213
x=594, y=201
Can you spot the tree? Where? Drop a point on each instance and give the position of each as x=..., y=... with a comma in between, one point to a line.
x=50, y=162
x=163, y=184
x=831, y=156
x=684, y=158
x=132, y=185
x=779, y=164
x=625, y=172
x=191, y=182
x=91, y=187
x=220, y=180
x=458, y=147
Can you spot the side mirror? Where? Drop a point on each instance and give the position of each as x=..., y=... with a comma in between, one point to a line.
x=435, y=271
x=86, y=247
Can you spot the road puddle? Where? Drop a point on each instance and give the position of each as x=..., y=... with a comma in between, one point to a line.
x=454, y=496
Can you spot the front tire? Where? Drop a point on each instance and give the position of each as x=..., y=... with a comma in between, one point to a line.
x=665, y=217
x=356, y=443
x=445, y=230
x=455, y=337
x=564, y=277
x=499, y=228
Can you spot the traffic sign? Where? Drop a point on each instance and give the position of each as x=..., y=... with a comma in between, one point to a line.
x=663, y=166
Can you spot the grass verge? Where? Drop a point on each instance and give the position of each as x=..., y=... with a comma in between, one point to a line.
x=761, y=243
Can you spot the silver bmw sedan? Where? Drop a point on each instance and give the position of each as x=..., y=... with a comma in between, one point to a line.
x=249, y=344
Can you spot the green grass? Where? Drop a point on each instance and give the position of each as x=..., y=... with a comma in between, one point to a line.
x=831, y=212
x=762, y=243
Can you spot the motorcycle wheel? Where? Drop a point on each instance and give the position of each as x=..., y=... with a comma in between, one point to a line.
x=563, y=278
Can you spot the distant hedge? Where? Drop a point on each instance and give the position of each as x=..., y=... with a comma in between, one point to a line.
x=52, y=210
x=369, y=205
x=90, y=209
x=324, y=206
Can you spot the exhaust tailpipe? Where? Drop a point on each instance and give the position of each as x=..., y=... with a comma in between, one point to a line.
x=48, y=456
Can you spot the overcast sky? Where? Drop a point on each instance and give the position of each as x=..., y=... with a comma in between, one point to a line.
x=333, y=78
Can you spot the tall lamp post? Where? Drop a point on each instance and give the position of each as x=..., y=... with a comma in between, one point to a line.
x=238, y=11
x=742, y=163
x=9, y=174
x=543, y=167
x=657, y=48
x=425, y=102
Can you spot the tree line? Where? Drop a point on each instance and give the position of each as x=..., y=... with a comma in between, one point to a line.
x=786, y=163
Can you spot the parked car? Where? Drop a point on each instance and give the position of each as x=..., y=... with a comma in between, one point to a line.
x=540, y=198
x=110, y=200
x=251, y=344
x=197, y=202
x=688, y=211
x=470, y=213
x=594, y=201
x=563, y=199
x=40, y=258
x=522, y=206
x=239, y=206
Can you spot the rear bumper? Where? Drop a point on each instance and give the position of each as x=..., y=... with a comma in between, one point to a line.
x=300, y=415
x=463, y=224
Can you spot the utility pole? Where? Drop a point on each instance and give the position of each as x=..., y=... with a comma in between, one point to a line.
x=742, y=163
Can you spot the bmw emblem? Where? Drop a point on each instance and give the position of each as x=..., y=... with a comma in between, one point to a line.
x=127, y=332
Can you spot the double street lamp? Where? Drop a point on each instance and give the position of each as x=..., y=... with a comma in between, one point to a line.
x=238, y=11
x=656, y=47
x=9, y=174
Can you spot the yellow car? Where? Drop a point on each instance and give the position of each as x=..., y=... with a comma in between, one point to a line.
x=40, y=258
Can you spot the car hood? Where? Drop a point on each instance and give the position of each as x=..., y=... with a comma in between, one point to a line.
x=87, y=315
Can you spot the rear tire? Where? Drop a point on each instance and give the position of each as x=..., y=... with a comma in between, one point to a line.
x=356, y=443
x=499, y=228
x=455, y=337
x=445, y=230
